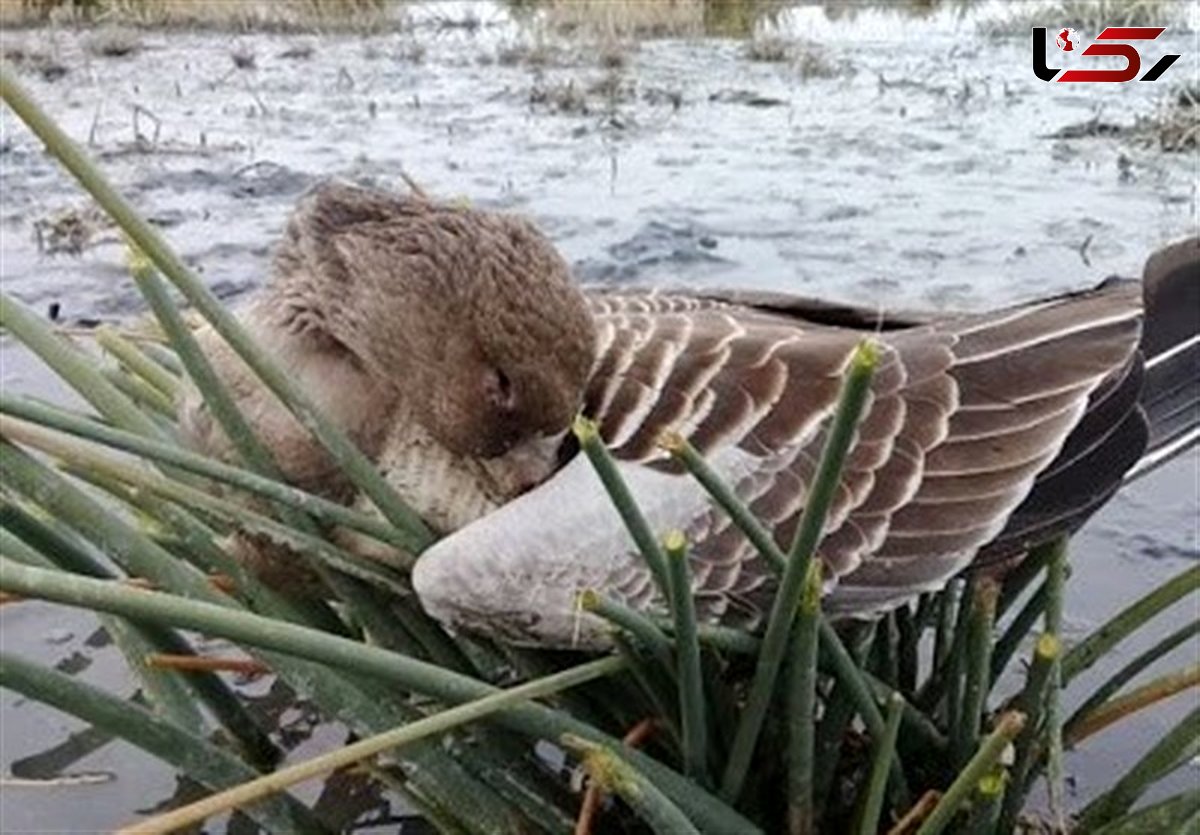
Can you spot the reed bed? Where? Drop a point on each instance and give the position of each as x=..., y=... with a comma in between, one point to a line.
x=895, y=726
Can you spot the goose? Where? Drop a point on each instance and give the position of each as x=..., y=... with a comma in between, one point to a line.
x=455, y=348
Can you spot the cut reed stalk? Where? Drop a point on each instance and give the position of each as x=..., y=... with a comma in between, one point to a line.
x=1130, y=671
x=1177, y=747
x=190, y=753
x=255, y=790
x=285, y=639
x=606, y=469
x=692, y=708
x=1150, y=693
x=1084, y=654
x=616, y=776
x=855, y=391
x=801, y=706
x=873, y=795
x=967, y=782
x=640, y=627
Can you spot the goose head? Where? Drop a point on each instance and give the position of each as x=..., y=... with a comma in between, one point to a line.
x=471, y=317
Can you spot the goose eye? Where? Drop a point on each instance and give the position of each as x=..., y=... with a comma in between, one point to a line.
x=500, y=389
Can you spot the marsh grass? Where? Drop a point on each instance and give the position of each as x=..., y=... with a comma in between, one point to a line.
x=244, y=15
x=898, y=725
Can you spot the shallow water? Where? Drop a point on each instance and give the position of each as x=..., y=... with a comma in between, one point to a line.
x=921, y=174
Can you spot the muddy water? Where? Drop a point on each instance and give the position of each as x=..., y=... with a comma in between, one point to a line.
x=915, y=168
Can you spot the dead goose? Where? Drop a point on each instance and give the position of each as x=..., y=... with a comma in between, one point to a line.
x=985, y=433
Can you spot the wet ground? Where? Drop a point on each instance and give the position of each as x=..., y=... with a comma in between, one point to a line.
x=901, y=161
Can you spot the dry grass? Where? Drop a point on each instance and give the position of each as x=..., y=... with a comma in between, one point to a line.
x=1088, y=16
x=244, y=15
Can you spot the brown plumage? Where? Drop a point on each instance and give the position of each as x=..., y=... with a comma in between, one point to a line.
x=454, y=348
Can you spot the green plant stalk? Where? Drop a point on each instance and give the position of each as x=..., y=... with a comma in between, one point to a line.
x=721, y=638
x=361, y=604
x=342, y=698
x=78, y=370
x=1057, y=569
x=833, y=651
x=78, y=456
x=364, y=660
x=602, y=462
x=614, y=774
x=693, y=711
x=985, y=811
x=1084, y=654
x=256, y=789
x=1150, y=693
x=189, y=752
x=131, y=356
x=174, y=696
x=835, y=721
x=978, y=673
x=944, y=631
x=1019, y=578
x=682, y=450
x=23, y=473
x=801, y=706
x=1179, y=745
x=918, y=728
x=908, y=652
x=1020, y=626
x=642, y=628
x=1177, y=814
x=78, y=459
x=1031, y=702
x=855, y=392
x=175, y=456
x=1007, y=727
x=164, y=357
x=1130, y=671
x=353, y=463
x=651, y=678
x=872, y=798
x=884, y=658
x=139, y=391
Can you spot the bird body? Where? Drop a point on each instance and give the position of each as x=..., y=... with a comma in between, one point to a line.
x=454, y=348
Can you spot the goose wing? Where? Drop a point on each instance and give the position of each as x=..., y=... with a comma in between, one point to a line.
x=964, y=415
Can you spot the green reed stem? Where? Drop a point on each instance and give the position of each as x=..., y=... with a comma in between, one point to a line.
x=614, y=774
x=190, y=753
x=872, y=798
x=682, y=450
x=353, y=463
x=408, y=673
x=173, y=455
x=1084, y=654
x=79, y=371
x=1114, y=710
x=139, y=391
x=1179, y=814
x=834, y=653
x=855, y=392
x=635, y=521
x=1057, y=570
x=801, y=705
x=256, y=789
x=642, y=628
x=965, y=784
x=1179, y=745
x=1129, y=672
x=1031, y=702
x=130, y=356
x=978, y=672
x=1016, y=632
x=692, y=708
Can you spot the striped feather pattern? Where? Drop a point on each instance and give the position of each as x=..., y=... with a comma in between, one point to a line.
x=964, y=415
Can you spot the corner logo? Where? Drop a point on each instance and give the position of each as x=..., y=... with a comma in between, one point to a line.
x=1109, y=42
